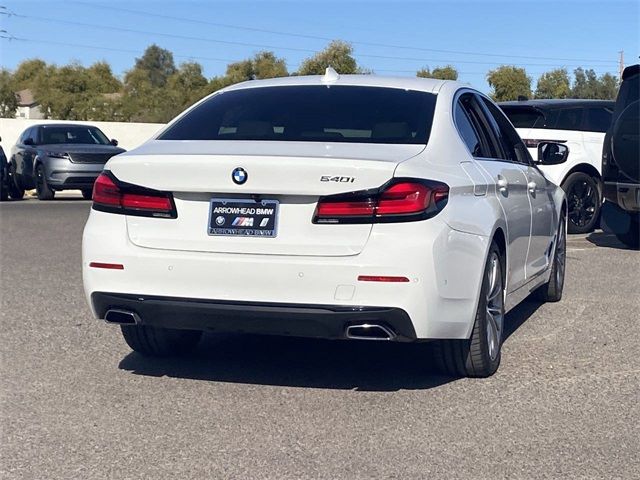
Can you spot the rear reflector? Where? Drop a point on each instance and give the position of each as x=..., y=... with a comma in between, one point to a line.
x=381, y=278
x=110, y=266
x=109, y=196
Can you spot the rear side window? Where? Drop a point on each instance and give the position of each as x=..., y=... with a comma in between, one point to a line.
x=568, y=119
x=467, y=131
x=598, y=119
x=315, y=113
x=525, y=117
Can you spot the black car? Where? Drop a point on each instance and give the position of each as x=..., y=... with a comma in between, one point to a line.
x=4, y=176
x=52, y=157
x=621, y=163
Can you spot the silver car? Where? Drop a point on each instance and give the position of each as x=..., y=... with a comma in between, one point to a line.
x=53, y=157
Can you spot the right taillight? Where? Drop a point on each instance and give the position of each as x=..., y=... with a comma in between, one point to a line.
x=403, y=200
x=110, y=196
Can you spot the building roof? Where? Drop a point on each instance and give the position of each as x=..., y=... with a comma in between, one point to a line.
x=25, y=98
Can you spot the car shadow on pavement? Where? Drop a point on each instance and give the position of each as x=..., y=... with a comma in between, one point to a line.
x=609, y=240
x=310, y=363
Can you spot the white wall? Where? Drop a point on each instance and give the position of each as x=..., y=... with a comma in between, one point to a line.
x=129, y=135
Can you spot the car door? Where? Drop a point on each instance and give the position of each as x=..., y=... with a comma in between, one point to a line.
x=510, y=183
x=539, y=191
x=24, y=156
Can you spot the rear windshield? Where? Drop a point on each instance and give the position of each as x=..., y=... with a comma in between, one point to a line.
x=73, y=134
x=310, y=114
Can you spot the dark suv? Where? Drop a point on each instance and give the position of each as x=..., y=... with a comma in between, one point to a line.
x=621, y=163
x=52, y=157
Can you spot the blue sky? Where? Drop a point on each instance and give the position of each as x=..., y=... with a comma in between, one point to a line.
x=487, y=33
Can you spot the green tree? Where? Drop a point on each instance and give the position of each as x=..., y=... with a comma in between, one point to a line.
x=448, y=72
x=184, y=88
x=157, y=64
x=28, y=73
x=553, y=84
x=8, y=99
x=267, y=65
x=338, y=55
x=587, y=84
x=509, y=82
x=262, y=65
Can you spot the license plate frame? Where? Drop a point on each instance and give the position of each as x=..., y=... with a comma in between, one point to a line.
x=243, y=217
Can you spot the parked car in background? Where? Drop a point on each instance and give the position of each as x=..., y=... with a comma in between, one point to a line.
x=346, y=207
x=580, y=125
x=621, y=163
x=4, y=176
x=53, y=157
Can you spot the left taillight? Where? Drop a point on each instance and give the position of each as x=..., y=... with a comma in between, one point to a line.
x=111, y=196
x=402, y=200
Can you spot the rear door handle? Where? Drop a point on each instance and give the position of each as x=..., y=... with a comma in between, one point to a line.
x=532, y=187
x=502, y=183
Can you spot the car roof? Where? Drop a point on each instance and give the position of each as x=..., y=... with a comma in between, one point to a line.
x=558, y=103
x=62, y=125
x=630, y=71
x=408, y=83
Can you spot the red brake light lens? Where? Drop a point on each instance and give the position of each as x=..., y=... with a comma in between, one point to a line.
x=109, y=197
x=346, y=209
x=401, y=201
x=404, y=198
x=106, y=192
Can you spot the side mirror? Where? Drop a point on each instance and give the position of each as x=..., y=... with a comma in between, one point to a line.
x=28, y=141
x=114, y=142
x=552, y=153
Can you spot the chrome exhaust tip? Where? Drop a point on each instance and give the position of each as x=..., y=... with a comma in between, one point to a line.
x=121, y=317
x=368, y=331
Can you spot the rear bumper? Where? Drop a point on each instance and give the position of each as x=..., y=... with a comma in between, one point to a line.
x=444, y=267
x=321, y=321
x=625, y=195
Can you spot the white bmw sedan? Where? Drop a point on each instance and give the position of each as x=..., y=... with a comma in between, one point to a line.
x=343, y=207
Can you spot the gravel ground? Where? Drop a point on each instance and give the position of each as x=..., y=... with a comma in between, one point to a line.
x=77, y=404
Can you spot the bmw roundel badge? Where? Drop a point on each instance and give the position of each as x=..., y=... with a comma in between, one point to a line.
x=239, y=175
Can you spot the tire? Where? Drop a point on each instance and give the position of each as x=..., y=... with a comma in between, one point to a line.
x=479, y=356
x=42, y=187
x=16, y=192
x=87, y=194
x=631, y=238
x=160, y=342
x=4, y=191
x=584, y=199
x=552, y=290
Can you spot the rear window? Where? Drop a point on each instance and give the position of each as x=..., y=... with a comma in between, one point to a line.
x=310, y=114
x=524, y=117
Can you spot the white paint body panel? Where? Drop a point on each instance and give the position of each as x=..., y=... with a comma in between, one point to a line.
x=584, y=148
x=443, y=256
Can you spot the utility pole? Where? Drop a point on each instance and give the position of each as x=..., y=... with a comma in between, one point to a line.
x=621, y=52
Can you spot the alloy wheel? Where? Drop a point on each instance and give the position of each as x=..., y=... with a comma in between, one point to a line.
x=561, y=254
x=582, y=198
x=494, y=306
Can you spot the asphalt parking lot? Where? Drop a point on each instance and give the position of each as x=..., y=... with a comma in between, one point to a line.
x=77, y=404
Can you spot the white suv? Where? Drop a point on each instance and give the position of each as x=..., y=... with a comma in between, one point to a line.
x=581, y=125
